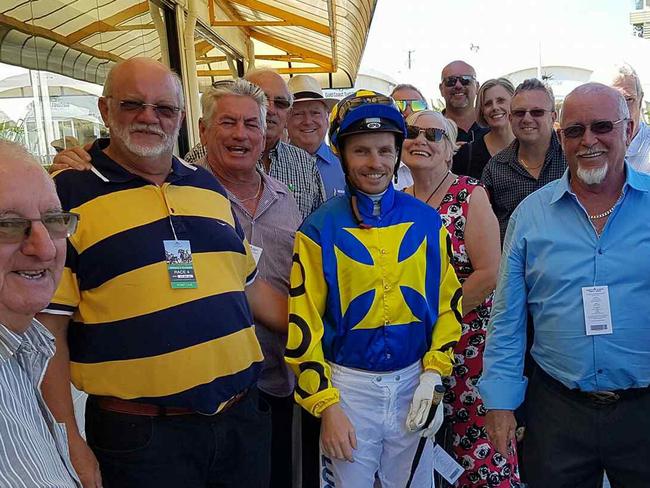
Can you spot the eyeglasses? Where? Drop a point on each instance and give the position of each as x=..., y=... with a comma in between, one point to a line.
x=535, y=113
x=59, y=225
x=465, y=80
x=600, y=127
x=281, y=103
x=416, y=105
x=162, y=110
x=431, y=134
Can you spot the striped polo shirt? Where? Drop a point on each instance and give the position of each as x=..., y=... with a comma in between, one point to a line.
x=132, y=336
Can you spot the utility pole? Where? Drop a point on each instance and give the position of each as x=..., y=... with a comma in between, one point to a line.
x=409, y=54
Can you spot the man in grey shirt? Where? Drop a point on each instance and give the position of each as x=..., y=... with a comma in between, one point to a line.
x=33, y=229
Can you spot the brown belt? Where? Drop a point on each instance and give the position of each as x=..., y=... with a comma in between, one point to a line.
x=118, y=405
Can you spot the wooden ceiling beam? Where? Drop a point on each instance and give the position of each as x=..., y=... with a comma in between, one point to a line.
x=282, y=71
x=37, y=31
x=279, y=13
x=109, y=23
x=294, y=49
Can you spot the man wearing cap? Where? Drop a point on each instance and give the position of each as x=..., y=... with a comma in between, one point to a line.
x=307, y=125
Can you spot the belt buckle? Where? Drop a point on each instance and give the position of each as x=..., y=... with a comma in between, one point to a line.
x=604, y=397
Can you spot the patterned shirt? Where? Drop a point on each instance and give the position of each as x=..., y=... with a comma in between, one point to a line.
x=638, y=153
x=508, y=182
x=33, y=446
x=271, y=230
x=292, y=166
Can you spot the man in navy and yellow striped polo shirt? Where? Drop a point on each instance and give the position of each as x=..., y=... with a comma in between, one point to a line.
x=151, y=315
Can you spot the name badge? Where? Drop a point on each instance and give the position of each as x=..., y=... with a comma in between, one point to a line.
x=446, y=465
x=178, y=255
x=598, y=316
x=257, y=253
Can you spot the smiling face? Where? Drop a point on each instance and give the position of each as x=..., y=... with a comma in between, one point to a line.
x=143, y=132
x=496, y=106
x=407, y=94
x=420, y=153
x=528, y=129
x=592, y=156
x=308, y=124
x=234, y=138
x=274, y=87
x=370, y=160
x=459, y=97
x=29, y=270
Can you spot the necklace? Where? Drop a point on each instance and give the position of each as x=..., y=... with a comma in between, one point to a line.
x=523, y=163
x=257, y=193
x=605, y=213
x=435, y=189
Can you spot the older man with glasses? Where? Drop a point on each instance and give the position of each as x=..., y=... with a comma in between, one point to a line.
x=154, y=313
x=33, y=229
x=576, y=257
x=533, y=159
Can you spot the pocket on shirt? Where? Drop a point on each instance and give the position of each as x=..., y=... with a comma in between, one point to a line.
x=117, y=432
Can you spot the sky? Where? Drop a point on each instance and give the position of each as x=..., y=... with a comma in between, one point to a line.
x=510, y=34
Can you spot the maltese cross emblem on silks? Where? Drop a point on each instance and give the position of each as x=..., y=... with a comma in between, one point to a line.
x=380, y=270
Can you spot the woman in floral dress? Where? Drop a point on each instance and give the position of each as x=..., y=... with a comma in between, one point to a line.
x=465, y=210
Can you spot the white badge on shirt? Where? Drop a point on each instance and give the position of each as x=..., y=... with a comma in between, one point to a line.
x=446, y=465
x=598, y=316
x=257, y=253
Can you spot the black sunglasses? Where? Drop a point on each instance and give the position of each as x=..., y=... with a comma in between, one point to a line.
x=162, y=110
x=431, y=134
x=536, y=113
x=465, y=80
x=59, y=225
x=600, y=127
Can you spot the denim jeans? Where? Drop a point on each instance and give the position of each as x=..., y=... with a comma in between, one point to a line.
x=227, y=450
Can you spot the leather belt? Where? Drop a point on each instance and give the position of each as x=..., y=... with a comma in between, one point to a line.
x=129, y=407
x=595, y=397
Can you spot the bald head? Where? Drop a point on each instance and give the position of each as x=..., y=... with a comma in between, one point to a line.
x=14, y=157
x=457, y=68
x=121, y=71
x=596, y=93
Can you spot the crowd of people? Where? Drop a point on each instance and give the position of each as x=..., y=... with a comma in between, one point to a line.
x=472, y=280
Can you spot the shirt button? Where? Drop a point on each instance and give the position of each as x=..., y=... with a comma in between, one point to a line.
x=386, y=322
x=384, y=251
x=600, y=371
x=600, y=251
x=387, y=286
x=378, y=378
x=388, y=355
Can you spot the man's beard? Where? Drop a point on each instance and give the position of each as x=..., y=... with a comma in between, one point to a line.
x=592, y=176
x=123, y=133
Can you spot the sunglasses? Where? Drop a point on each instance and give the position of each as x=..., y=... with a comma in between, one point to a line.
x=600, y=127
x=465, y=80
x=162, y=110
x=535, y=113
x=355, y=102
x=416, y=105
x=59, y=225
x=431, y=134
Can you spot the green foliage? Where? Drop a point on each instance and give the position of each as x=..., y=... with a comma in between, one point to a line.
x=12, y=132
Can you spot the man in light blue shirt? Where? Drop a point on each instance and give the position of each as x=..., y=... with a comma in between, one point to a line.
x=307, y=126
x=576, y=257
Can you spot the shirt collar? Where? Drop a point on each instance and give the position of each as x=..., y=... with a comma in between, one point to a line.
x=110, y=171
x=325, y=153
x=366, y=205
x=36, y=335
x=633, y=179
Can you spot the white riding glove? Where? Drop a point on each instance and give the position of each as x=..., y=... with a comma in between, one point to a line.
x=428, y=395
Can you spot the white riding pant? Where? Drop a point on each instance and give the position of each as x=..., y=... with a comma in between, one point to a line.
x=377, y=405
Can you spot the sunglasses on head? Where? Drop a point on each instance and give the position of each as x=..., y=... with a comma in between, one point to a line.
x=536, y=113
x=162, y=110
x=600, y=127
x=465, y=80
x=432, y=134
x=59, y=225
x=416, y=105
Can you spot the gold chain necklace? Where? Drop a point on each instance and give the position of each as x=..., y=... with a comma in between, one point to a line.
x=606, y=212
x=523, y=163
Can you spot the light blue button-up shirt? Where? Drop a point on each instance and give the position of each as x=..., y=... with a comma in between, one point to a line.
x=331, y=171
x=551, y=251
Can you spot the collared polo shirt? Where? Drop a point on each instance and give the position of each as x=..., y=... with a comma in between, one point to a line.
x=330, y=170
x=132, y=336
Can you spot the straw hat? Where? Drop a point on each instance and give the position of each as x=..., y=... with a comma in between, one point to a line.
x=306, y=88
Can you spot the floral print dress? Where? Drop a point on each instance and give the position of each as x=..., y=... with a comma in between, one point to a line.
x=464, y=410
